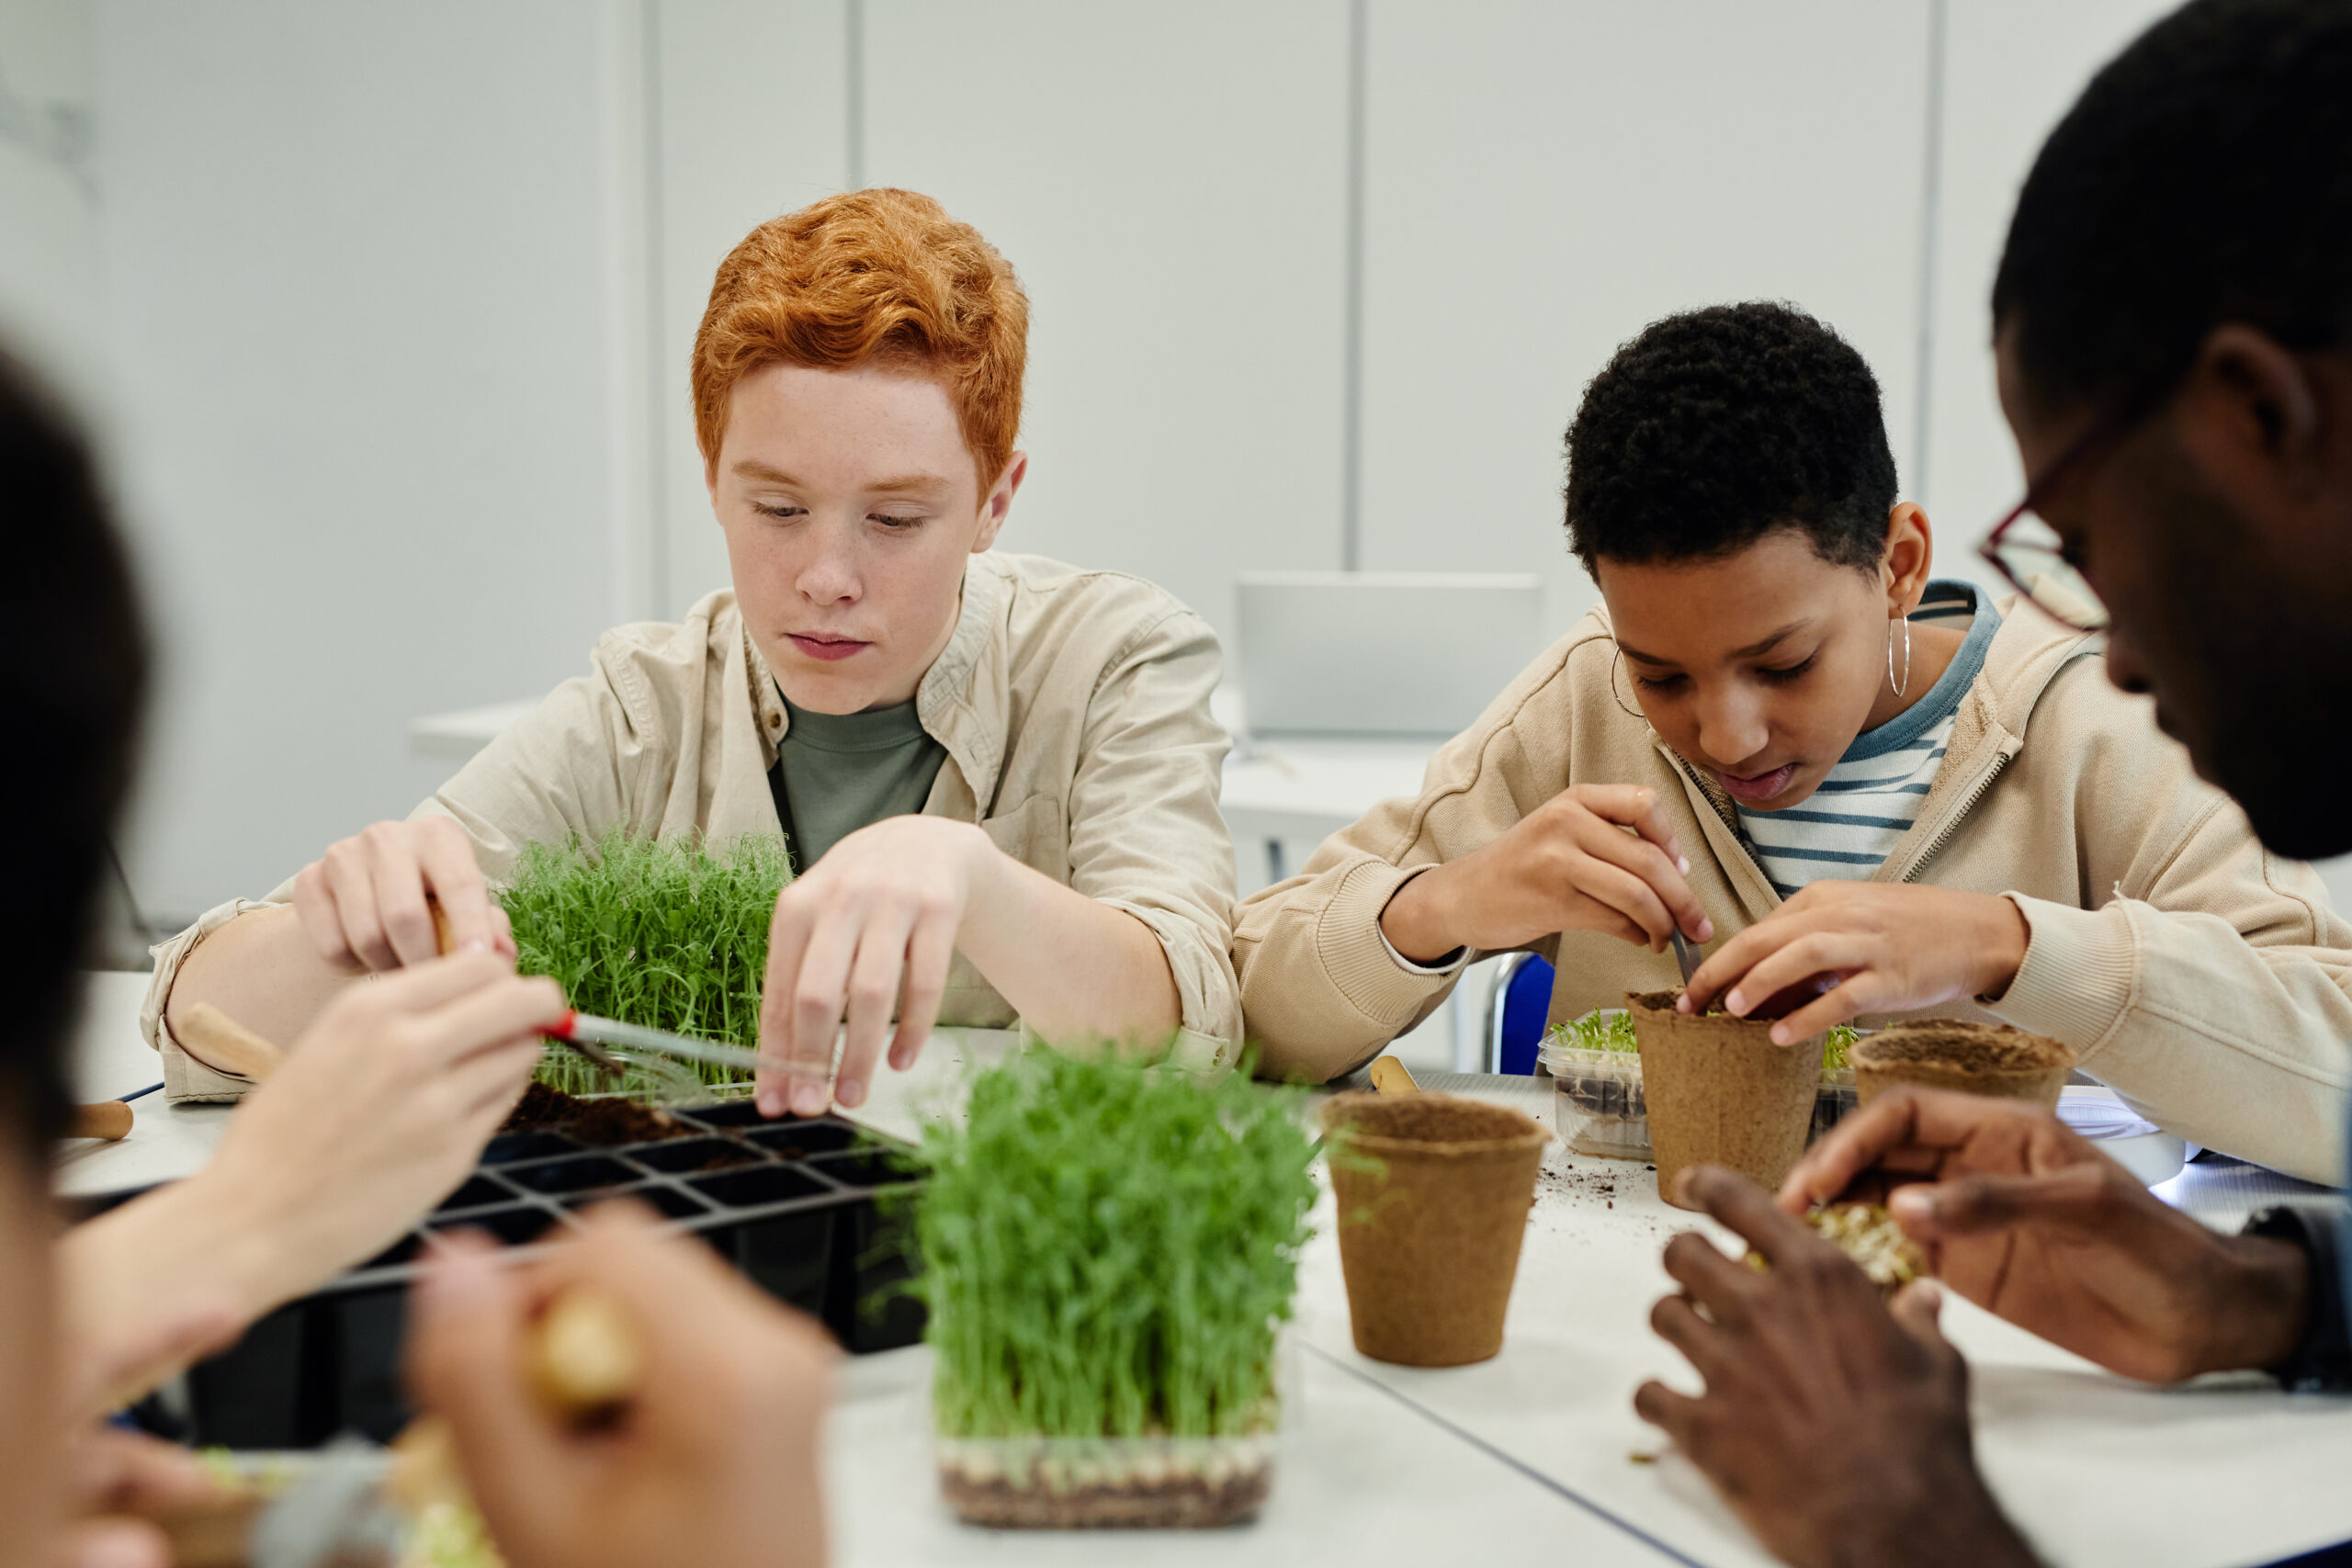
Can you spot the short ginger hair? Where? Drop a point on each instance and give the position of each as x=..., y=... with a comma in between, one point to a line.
x=870, y=276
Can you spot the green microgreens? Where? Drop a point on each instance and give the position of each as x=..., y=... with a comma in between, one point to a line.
x=1614, y=1031
x=1107, y=1249
x=671, y=936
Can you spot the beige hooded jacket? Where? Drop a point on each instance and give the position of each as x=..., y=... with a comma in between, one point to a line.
x=1074, y=706
x=2201, y=977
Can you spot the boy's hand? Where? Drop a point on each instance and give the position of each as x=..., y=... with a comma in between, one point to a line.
x=1570, y=864
x=1894, y=946
x=868, y=929
x=363, y=903
x=714, y=1461
x=2029, y=1221
x=1836, y=1429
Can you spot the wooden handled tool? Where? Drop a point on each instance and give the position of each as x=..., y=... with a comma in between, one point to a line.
x=1389, y=1076
x=109, y=1118
x=221, y=1041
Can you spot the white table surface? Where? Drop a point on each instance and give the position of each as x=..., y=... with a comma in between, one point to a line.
x=1527, y=1453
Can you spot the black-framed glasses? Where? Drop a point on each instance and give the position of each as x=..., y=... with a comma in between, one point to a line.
x=2030, y=554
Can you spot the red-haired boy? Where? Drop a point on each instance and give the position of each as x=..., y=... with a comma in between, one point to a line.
x=997, y=773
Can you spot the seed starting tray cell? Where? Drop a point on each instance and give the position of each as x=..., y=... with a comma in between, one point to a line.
x=796, y=1205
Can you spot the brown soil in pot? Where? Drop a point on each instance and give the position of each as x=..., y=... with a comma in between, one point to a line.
x=601, y=1122
x=1720, y=1092
x=1433, y=1194
x=1973, y=1058
x=1172, y=1502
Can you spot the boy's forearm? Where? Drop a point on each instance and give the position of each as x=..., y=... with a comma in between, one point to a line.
x=261, y=971
x=1075, y=970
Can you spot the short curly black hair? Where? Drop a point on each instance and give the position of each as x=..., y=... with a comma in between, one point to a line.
x=1716, y=427
x=2204, y=176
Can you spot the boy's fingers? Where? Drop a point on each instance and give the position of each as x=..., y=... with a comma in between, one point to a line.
x=1671, y=1413
x=1655, y=870
x=1631, y=897
x=930, y=954
x=1635, y=807
x=456, y=879
x=1841, y=1003
x=1918, y=1307
x=818, y=999
x=873, y=983
x=356, y=913
x=2073, y=1199
x=787, y=939
x=399, y=880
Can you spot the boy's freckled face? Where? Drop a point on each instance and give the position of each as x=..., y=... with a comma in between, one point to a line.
x=851, y=505
x=1761, y=667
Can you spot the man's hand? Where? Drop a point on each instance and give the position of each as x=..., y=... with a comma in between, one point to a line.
x=1836, y=1429
x=363, y=903
x=870, y=928
x=2029, y=1221
x=1570, y=864
x=1894, y=946
x=714, y=1461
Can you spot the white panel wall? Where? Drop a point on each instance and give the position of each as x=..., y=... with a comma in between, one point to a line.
x=2012, y=68
x=1169, y=180
x=49, y=243
x=366, y=321
x=753, y=120
x=1546, y=179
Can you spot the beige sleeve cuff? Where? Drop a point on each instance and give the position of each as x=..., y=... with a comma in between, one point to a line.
x=185, y=1078
x=1208, y=996
x=1371, y=974
x=2079, y=975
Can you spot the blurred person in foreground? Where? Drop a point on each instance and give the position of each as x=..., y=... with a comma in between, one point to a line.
x=2173, y=330
x=322, y=1166
x=996, y=774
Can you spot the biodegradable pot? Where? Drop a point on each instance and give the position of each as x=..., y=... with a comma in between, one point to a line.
x=1720, y=1092
x=1433, y=1195
x=1975, y=1058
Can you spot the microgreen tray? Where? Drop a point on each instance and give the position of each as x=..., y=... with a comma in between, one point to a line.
x=796, y=1205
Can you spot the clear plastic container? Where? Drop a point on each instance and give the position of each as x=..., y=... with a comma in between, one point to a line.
x=1598, y=1108
x=1596, y=1101
x=1107, y=1483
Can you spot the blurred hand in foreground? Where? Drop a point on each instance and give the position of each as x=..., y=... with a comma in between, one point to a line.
x=1837, y=1429
x=2027, y=1218
x=378, y=1111
x=713, y=1462
x=118, y=1483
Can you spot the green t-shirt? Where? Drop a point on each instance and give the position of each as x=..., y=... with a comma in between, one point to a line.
x=835, y=773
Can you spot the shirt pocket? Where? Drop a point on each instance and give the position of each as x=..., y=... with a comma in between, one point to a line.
x=1034, y=833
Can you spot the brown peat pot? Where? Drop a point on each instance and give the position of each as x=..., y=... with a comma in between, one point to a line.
x=1433, y=1195
x=1720, y=1092
x=1975, y=1058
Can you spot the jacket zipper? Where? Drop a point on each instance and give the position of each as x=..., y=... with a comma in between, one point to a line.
x=1952, y=825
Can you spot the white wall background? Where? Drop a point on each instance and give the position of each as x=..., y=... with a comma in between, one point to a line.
x=382, y=312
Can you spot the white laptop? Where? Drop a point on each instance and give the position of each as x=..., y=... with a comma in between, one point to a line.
x=1381, y=652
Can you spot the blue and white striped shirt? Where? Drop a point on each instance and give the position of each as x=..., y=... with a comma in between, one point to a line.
x=1847, y=828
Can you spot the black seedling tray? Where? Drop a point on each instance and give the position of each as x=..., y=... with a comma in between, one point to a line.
x=792, y=1203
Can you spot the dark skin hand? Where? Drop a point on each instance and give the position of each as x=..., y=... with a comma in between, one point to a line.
x=1836, y=1429
x=2028, y=1220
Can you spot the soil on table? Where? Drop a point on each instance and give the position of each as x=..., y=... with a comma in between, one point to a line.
x=1173, y=1502
x=600, y=1122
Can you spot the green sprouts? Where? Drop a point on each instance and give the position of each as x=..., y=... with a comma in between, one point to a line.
x=1107, y=1248
x=673, y=935
x=1611, y=1029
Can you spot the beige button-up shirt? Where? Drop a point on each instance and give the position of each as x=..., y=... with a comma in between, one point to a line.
x=1074, y=706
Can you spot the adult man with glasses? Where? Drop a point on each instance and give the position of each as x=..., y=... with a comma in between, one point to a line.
x=2173, y=322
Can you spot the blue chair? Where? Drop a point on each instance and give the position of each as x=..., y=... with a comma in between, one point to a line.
x=1516, y=1008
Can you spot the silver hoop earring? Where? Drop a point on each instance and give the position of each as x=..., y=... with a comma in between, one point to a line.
x=1615, y=659
x=1902, y=687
